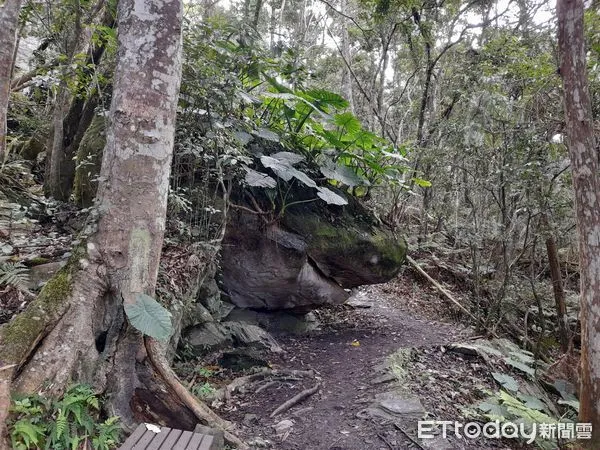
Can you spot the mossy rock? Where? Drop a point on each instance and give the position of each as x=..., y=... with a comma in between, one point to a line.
x=32, y=148
x=347, y=243
x=309, y=257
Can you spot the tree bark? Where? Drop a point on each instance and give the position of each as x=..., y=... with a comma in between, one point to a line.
x=559, y=293
x=9, y=24
x=586, y=183
x=346, y=75
x=76, y=330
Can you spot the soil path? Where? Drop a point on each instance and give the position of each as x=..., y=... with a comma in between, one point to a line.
x=347, y=353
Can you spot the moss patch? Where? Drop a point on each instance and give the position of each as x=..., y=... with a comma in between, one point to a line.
x=18, y=337
x=351, y=239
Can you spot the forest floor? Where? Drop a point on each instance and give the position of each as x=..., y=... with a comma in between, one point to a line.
x=381, y=366
x=382, y=362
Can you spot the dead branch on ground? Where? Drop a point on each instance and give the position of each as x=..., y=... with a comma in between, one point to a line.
x=296, y=399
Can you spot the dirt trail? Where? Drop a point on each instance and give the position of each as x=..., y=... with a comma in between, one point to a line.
x=348, y=354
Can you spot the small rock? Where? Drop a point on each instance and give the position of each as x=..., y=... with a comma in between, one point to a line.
x=250, y=419
x=394, y=406
x=359, y=300
x=198, y=315
x=252, y=336
x=283, y=429
x=40, y=274
x=6, y=249
x=241, y=359
x=384, y=378
x=207, y=337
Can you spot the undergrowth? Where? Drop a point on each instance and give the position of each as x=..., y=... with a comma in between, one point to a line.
x=72, y=422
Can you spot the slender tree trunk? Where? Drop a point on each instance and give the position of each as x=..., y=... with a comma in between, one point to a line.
x=257, y=9
x=9, y=24
x=559, y=293
x=586, y=183
x=346, y=75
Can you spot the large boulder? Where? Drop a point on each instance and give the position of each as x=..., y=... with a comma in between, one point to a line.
x=307, y=259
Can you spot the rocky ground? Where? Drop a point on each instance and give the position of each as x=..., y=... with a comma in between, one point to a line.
x=381, y=363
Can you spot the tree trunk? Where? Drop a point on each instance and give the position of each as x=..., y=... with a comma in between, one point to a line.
x=586, y=183
x=559, y=293
x=346, y=75
x=257, y=10
x=76, y=330
x=9, y=24
x=69, y=127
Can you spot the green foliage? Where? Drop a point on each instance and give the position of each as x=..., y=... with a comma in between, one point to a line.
x=314, y=122
x=61, y=424
x=204, y=372
x=259, y=107
x=14, y=274
x=518, y=408
x=149, y=317
x=203, y=390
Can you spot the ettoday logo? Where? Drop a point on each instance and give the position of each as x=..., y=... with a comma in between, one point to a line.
x=428, y=429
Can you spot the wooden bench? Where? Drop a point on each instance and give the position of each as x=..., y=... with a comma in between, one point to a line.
x=152, y=437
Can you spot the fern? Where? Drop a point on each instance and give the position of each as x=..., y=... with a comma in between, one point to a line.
x=14, y=274
x=62, y=424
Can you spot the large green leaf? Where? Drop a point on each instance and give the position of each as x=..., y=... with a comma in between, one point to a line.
x=282, y=169
x=289, y=99
x=506, y=381
x=149, y=317
x=258, y=179
x=289, y=157
x=267, y=134
x=301, y=176
x=281, y=164
x=343, y=174
x=331, y=197
x=323, y=98
x=348, y=122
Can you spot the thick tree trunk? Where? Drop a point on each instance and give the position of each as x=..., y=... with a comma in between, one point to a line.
x=77, y=330
x=9, y=24
x=586, y=182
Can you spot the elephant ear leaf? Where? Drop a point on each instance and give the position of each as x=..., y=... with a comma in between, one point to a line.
x=258, y=179
x=331, y=197
x=149, y=317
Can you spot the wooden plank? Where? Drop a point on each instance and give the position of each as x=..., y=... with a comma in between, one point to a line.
x=207, y=442
x=145, y=440
x=167, y=439
x=159, y=438
x=171, y=439
x=198, y=442
x=182, y=443
x=134, y=437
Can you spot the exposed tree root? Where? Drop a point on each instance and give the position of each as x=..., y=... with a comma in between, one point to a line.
x=267, y=385
x=202, y=412
x=225, y=393
x=296, y=399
